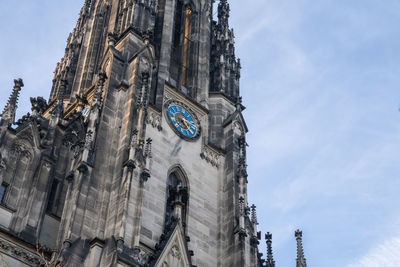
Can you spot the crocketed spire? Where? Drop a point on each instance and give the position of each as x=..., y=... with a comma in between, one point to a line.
x=8, y=115
x=224, y=67
x=270, y=258
x=300, y=261
x=223, y=13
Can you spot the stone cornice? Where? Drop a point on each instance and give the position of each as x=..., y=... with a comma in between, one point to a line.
x=18, y=250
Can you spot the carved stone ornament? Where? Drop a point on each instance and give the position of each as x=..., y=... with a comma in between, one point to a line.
x=210, y=156
x=154, y=119
x=182, y=119
x=175, y=252
x=237, y=127
x=27, y=135
x=18, y=253
x=18, y=149
x=89, y=140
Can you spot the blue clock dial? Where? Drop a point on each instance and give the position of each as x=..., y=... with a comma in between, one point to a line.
x=183, y=121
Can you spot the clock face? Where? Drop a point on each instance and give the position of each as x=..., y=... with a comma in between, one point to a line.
x=183, y=120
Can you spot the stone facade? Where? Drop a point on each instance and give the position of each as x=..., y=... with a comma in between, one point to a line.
x=100, y=174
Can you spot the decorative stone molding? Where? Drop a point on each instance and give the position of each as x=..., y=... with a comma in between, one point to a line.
x=27, y=135
x=175, y=252
x=154, y=119
x=89, y=140
x=172, y=94
x=135, y=256
x=237, y=127
x=18, y=253
x=211, y=156
x=78, y=149
x=19, y=149
x=70, y=139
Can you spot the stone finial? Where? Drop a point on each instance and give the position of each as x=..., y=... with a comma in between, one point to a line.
x=270, y=258
x=300, y=261
x=10, y=109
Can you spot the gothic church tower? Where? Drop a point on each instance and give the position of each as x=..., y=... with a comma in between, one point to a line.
x=139, y=156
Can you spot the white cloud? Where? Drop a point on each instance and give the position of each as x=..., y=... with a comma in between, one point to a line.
x=384, y=255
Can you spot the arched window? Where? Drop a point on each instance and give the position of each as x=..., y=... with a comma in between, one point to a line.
x=182, y=45
x=177, y=199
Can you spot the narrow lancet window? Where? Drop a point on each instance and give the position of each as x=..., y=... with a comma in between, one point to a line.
x=187, y=46
x=177, y=199
x=182, y=45
x=51, y=203
x=176, y=45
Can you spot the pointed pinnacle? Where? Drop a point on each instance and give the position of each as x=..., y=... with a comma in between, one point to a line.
x=270, y=257
x=11, y=107
x=300, y=261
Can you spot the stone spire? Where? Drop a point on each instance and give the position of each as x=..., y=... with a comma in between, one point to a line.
x=224, y=67
x=270, y=257
x=223, y=13
x=300, y=261
x=8, y=115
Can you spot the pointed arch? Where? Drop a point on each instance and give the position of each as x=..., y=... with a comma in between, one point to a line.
x=180, y=171
x=177, y=193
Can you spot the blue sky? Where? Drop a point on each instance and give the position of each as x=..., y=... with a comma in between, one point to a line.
x=320, y=80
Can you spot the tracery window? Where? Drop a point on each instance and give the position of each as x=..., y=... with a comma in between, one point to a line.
x=182, y=45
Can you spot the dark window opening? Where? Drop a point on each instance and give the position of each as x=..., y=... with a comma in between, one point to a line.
x=176, y=44
x=3, y=191
x=51, y=203
x=176, y=192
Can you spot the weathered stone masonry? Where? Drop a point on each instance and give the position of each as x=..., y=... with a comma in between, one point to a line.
x=101, y=173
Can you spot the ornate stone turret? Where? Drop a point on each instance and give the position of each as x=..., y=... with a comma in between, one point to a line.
x=8, y=115
x=225, y=69
x=270, y=258
x=300, y=261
